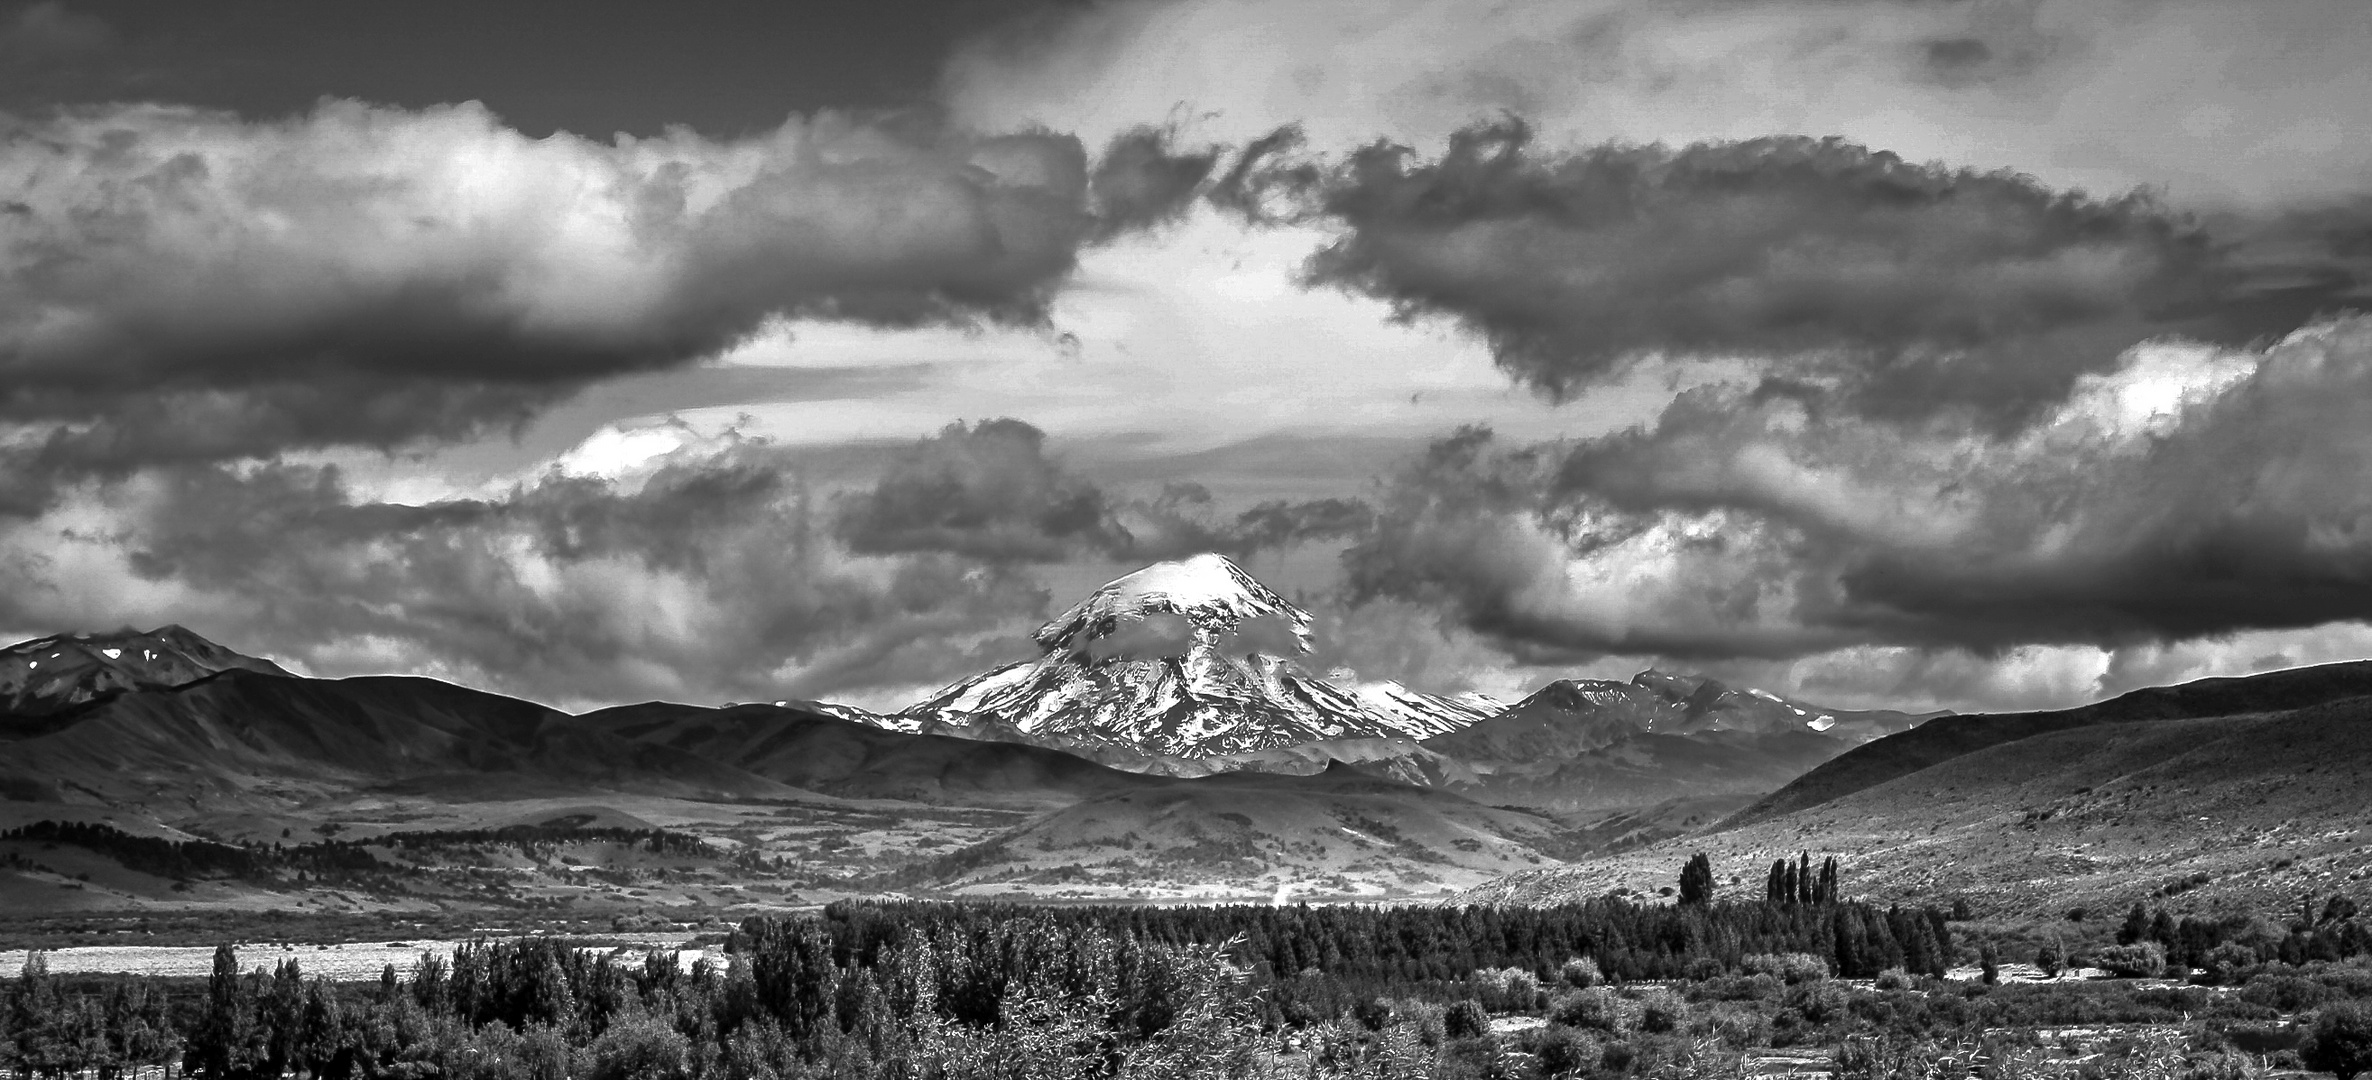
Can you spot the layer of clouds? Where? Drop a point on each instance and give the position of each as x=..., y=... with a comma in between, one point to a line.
x=2220, y=102
x=707, y=574
x=1905, y=288
x=991, y=490
x=2192, y=493
x=186, y=285
x=987, y=490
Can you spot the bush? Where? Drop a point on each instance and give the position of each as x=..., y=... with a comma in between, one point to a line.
x=1507, y=989
x=1563, y=1051
x=1661, y=1011
x=1581, y=973
x=1894, y=979
x=2287, y=993
x=2140, y=960
x=1465, y=1019
x=1596, y=1009
x=1816, y=1004
x=1737, y=988
x=2342, y=1041
x=2226, y=963
x=642, y=1048
x=1789, y=968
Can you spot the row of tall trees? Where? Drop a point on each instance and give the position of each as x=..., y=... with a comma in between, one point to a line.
x=1799, y=883
x=1788, y=882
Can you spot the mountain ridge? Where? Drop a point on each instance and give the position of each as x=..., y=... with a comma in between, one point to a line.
x=1944, y=738
x=46, y=676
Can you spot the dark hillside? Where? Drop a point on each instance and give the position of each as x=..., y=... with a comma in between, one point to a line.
x=1944, y=738
x=2252, y=811
x=823, y=753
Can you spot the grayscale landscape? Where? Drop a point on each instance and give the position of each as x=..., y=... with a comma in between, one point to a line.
x=1334, y=539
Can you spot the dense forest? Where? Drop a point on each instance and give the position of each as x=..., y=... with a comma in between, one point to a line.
x=1604, y=988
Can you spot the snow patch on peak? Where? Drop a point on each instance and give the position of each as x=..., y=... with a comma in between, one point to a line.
x=1192, y=658
x=1208, y=590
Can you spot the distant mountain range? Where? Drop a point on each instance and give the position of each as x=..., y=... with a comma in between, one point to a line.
x=2240, y=784
x=1180, y=670
x=1189, y=668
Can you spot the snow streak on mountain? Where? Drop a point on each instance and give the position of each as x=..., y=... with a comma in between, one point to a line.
x=49, y=674
x=1192, y=658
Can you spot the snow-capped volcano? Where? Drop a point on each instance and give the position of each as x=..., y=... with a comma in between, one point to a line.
x=1192, y=658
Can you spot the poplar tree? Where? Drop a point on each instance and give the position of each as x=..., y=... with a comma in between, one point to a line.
x=1696, y=880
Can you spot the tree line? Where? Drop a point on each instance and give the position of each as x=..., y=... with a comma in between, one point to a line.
x=869, y=989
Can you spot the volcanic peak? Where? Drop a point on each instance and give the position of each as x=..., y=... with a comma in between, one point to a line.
x=1209, y=591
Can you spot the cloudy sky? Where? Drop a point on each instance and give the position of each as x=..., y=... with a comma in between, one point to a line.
x=1924, y=353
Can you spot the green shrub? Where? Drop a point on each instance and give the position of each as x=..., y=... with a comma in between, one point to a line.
x=1581, y=973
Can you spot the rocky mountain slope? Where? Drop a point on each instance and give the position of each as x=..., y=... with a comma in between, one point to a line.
x=2223, y=791
x=1185, y=659
x=45, y=676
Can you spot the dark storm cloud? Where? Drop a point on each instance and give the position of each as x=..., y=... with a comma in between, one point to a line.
x=184, y=285
x=987, y=490
x=708, y=579
x=1142, y=181
x=1912, y=288
x=2191, y=492
x=991, y=490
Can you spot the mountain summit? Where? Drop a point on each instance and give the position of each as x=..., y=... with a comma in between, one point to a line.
x=46, y=675
x=1193, y=658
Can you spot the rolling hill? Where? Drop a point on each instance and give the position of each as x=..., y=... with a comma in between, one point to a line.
x=2230, y=790
x=243, y=738
x=818, y=752
x=1944, y=738
x=1338, y=833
